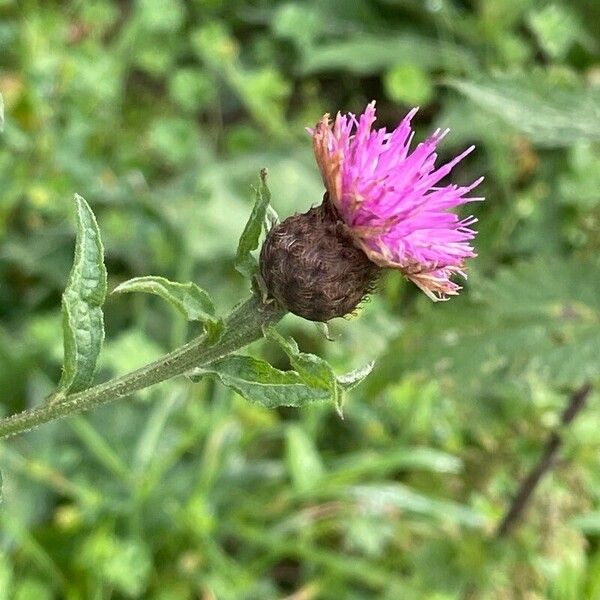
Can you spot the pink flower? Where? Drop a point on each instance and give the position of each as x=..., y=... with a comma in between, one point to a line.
x=391, y=201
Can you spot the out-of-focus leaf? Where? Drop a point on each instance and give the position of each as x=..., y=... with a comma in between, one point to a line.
x=304, y=462
x=555, y=28
x=367, y=54
x=245, y=262
x=408, y=84
x=580, y=185
x=191, y=89
x=1, y=113
x=563, y=304
x=548, y=110
x=125, y=564
x=83, y=322
x=6, y=578
x=533, y=318
x=377, y=464
x=188, y=298
x=261, y=383
x=153, y=16
x=588, y=523
x=32, y=589
x=348, y=381
x=175, y=140
x=299, y=23
x=381, y=498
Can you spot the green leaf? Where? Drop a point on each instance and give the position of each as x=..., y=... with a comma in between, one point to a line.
x=259, y=382
x=383, y=498
x=317, y=372
x=245, y=263
x=544, y=107
x=123, y=563
x=355, y=466
x=350, y=380
x=370, y=54
x=535, y=320
x=588, y=523
x=83, y=321
x=556, y=29
x=312, y=380
x=303, y=460
x=408, y=84
x=1, y=113
x=314, y=371
x=193, y=302
x=271, y=218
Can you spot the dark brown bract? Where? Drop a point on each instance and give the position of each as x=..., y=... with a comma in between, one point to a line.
x=310, y=265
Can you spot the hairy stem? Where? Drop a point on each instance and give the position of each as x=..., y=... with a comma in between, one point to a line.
x=243, y=326
x=544, y=464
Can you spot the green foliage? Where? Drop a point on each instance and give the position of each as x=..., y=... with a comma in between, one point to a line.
x=409, y=84
x=318, y=373
x=188, y=298
x=367, y=54
x=551, y=109
x=245, y=262
x=257, y=381
x=83, y=320
x=304, y=463
x=531, y=321
x=161, y=114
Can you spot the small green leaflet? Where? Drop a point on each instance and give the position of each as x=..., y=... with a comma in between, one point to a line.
x=260, y=383
x=83, y=321
x=348, y=381
x=271, y=218
x=245, y=263
x=315, y=371
x=187, y=298
x=313, y=379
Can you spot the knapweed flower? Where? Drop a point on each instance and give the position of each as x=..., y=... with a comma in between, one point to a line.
x=381, y=198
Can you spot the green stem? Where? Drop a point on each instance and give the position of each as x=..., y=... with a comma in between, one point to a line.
x=243, y=326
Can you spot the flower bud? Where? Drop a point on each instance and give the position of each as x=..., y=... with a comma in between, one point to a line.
x=311, y=266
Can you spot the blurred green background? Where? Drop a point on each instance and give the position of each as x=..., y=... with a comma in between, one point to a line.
x=161, y=113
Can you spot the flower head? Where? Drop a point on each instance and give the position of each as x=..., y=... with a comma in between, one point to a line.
x=391, y=200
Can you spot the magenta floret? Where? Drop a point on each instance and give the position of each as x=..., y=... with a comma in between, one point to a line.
x=390, y=199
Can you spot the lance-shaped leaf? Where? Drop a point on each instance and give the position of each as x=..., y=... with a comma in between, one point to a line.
x=348, y=381
x=83, y=321
x=382, y=498
x=188, y=298
x=317, y=372
x=245, y=262
x=259, y=382
x=271, y=218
